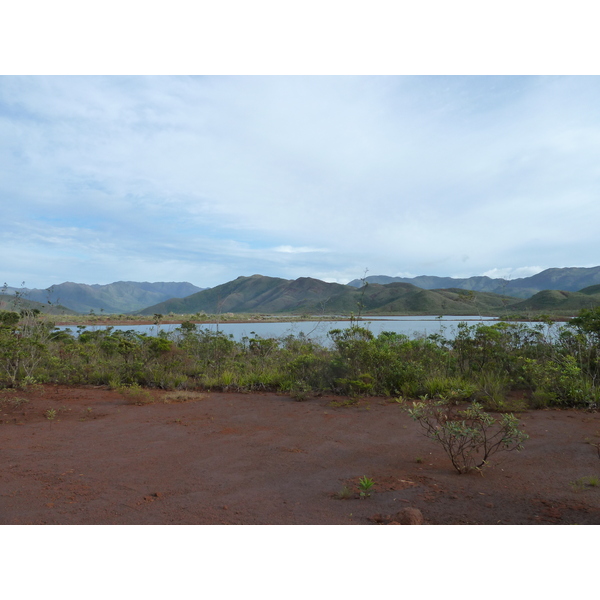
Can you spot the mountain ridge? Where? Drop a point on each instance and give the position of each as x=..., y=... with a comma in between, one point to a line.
x=553, y=290
x=113, y=298
x=569, y=279
x=306, y=296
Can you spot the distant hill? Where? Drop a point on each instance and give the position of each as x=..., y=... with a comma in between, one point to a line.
x=10, y=302
x=569, y=279
x=113, y=298
x=311, y=296
x=431, y=282
x=591, y=290
x=559, y=301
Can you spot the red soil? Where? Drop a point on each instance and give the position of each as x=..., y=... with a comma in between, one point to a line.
x=264, y=458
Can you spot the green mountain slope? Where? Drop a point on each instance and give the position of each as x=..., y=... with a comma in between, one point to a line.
x=559, y=302
x=591, y=290
x=17, y=304
x=259, y=294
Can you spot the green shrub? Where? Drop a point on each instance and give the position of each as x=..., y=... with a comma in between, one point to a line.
x=451, y=388
x=562, y=381
x=471, y=436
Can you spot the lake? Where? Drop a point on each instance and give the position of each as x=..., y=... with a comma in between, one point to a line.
x=317, y=330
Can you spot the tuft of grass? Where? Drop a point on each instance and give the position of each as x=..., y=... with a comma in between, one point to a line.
x=345, y=493
x=182, y=396
x=114, y=382
x=135, y=394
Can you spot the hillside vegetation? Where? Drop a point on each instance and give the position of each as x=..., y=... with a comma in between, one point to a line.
x=312, y=296
x=307, y=296
x=15, y=303
x=560, y=302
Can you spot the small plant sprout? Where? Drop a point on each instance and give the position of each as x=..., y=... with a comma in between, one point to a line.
x=365, y=484
x=50, y=414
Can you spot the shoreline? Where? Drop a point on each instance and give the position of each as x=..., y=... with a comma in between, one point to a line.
x=366, y=318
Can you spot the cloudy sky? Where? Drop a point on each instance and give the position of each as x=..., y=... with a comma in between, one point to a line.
x=204, y=179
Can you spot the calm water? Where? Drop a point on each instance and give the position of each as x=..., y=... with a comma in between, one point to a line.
x=411, y=326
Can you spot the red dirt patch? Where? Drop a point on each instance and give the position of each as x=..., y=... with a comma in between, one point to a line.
x=90, y=456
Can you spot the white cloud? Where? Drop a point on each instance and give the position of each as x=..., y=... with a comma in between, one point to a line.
x=298, y=249
x=512, y=273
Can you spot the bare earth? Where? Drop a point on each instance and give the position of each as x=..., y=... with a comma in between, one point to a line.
x=228, y=458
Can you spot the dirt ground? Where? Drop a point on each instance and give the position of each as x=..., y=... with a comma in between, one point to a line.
x=92, y=456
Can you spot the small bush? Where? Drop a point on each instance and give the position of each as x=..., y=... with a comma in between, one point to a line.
x=492, y=389
x=135, y=394
x=563, y=382
x=470, y=436
x=452, y=388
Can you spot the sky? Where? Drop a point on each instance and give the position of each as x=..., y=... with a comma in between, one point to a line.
x=207, y=178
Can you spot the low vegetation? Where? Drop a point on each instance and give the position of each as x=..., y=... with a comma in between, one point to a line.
x=504, y=366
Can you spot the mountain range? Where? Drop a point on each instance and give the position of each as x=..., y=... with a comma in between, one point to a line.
x=559, y=291
x=307, y=296
x=113, y=298
x=569, y=279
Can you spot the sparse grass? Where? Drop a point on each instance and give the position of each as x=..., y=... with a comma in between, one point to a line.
x=87, y=414
x=594, y=444
x=584, y=483
x=350, y=401
x=15, y=402
x=182, y=396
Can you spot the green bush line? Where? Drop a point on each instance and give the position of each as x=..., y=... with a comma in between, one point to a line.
x=483, y=362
